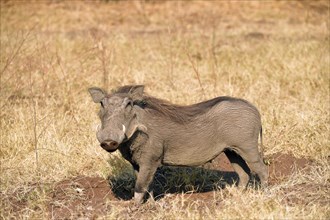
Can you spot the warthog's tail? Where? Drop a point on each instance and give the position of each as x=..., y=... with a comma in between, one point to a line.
x=262, y=149
x=261, y=144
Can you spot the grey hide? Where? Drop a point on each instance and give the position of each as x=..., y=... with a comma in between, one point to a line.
x=151, y=132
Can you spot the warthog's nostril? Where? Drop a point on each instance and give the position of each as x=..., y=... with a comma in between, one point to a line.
x=104, y=145
x=113, y=144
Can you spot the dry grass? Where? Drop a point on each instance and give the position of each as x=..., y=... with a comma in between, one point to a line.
x=274, y=53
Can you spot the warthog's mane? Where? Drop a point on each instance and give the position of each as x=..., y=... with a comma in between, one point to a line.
x=177, y=113
x=180, y=113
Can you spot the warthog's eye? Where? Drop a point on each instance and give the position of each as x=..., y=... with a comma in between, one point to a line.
x=129, y=103
x=141, y=103
x=102, y=104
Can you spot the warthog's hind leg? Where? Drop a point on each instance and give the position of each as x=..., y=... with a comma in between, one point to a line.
x=252, y=157
x=261, y=170
x=240, y=167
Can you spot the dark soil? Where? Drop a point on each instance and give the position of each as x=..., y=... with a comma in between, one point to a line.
x=93, y=196
x=283, y=165
x=80, y=196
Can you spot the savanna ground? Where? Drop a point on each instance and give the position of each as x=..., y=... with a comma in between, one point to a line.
x=272, y=53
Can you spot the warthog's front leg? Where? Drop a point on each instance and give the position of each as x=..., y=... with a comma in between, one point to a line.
x=144, y=178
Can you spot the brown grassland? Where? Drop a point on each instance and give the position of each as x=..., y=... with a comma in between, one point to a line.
x=273, y=53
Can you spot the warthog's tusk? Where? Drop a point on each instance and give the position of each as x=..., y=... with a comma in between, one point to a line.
x=124, y=129
x=98, y=127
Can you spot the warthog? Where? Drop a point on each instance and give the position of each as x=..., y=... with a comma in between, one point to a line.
x=151, y=132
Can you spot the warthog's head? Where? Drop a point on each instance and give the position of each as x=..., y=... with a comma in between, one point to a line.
x=118, y=118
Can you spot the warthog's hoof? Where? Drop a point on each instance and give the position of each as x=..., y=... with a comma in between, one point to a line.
x=138, y=198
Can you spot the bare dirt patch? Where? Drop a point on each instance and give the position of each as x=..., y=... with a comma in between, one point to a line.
x=283, y=165
x=80, y=196
x=90, y=196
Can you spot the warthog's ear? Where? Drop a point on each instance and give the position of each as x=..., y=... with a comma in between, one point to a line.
x=136, y=92
x=97, y=94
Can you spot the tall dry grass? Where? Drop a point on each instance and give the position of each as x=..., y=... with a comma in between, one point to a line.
x=274, y=54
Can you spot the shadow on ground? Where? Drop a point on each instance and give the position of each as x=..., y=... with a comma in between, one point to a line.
x=175, y=180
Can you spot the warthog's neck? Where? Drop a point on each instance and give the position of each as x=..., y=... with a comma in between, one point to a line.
x=130, y=149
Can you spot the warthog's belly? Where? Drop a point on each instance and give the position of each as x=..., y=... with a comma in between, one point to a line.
x=191, y=155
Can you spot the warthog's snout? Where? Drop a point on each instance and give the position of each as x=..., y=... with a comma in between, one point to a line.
x=109, y=145
x=110, y=141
